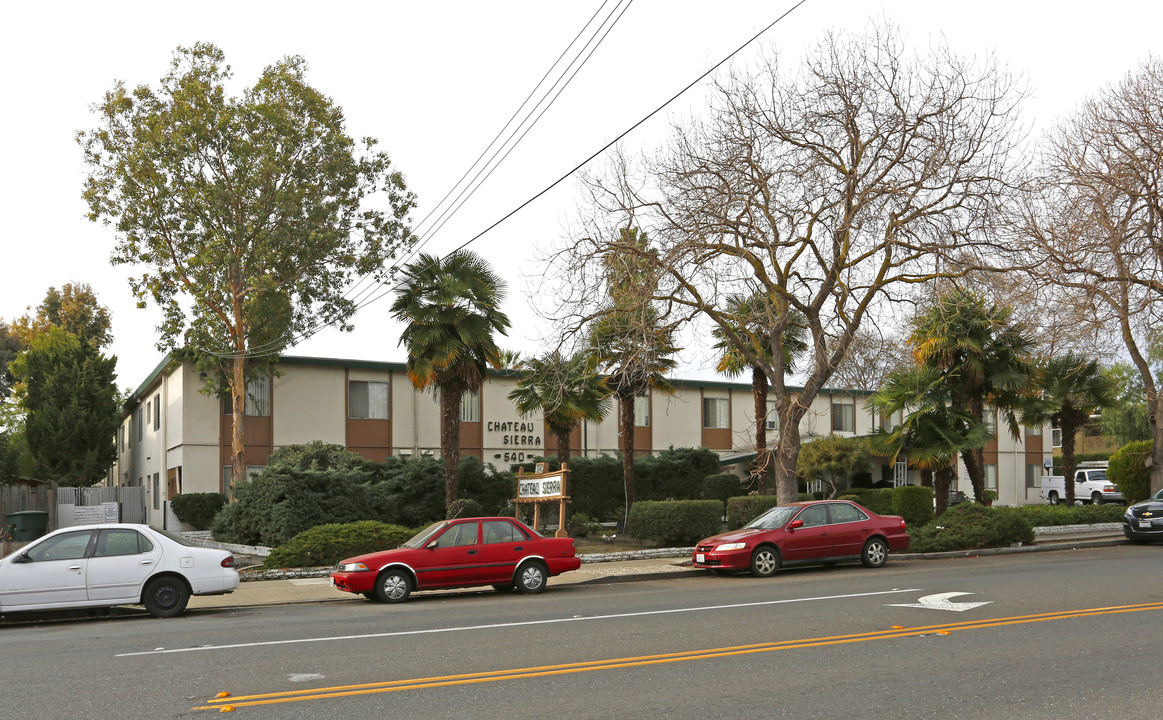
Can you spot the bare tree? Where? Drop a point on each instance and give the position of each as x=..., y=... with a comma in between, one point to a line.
x=1096, y=225
x=827, y=193
x=872, y=355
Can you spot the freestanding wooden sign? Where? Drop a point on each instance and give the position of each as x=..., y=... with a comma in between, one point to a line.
x=541, y=488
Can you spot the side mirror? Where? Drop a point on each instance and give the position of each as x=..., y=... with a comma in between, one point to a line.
x=22, y=558
x=795, y=524
x=433, y=545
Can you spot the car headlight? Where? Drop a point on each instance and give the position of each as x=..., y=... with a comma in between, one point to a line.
x=352, y=567
x=730, y=546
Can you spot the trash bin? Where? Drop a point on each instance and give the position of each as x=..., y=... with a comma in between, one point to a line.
x=28, y=524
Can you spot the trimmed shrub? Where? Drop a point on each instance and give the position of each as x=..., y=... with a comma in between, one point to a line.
x=721, y=487
x=914, y=503
x=198, y=509
x=970, y=526
x=742, y=510
x=1049, y=515
x=878, y=500
x=581, y=525
x=595, y=486
x=673, y=474
x=328, y=544
x=463, y=508
x=1128, y=470
x=675, y=522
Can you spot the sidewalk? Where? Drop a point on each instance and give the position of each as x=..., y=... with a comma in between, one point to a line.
x=665, y=563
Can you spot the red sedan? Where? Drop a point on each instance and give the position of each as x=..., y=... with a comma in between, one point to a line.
x=825, y=531
x=466, y=552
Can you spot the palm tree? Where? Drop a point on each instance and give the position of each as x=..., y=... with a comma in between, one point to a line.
x=567, y=390
x=1073, y=388
x=984, y=359
x=451, y=307
x=934, y=432
x=755, y=312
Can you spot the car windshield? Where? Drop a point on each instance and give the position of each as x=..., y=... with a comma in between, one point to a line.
x=421, y=538
x=774, y=518
x=1158, y=495
x=180, y=539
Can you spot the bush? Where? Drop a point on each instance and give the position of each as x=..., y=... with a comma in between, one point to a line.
x=464, y=508
x=198, y=509
x=581, y=525
x=721, y=487
x=878, y=500
x=970, y=526
x=742, y=510
x=328, y=544
x=914, y=503
x=675, y=522
x=1129, y=471
x=1049, y=515
x=673, y=474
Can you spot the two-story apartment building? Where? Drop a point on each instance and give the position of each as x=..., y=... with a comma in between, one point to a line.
x=176, y=438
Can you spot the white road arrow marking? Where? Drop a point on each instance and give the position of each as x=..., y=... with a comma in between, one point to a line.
x=941, y=601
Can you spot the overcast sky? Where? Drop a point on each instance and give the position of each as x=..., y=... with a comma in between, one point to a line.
x=434, y=82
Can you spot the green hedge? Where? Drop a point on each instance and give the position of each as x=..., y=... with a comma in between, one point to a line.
x=878, y=500
x=328, y=544
x=914, y=503
x=742, y=510
x=1047, y=515
x=197, y=509
x=970, y=526
x=721, y=487
x=1129, y=471
x=675, y=522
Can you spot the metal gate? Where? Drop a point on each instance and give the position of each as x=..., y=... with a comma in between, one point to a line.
x=131, y=502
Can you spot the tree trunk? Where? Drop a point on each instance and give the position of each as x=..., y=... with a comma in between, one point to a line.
x=787, y=451
x=760, y=466
x=563, y=446
x=450, y=442
x=1068, y=464
x=926, y=477
x=626, y=446
x=1156, y=470
x=942, y=482
x=238, y=417
x=975, y=466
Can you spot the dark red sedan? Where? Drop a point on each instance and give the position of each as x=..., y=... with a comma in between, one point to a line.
x=466, y=552
x=825, y=531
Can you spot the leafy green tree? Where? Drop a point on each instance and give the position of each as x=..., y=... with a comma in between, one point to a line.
x=1073, y=388
x=833, y=457
x=567, y=390
x=75, y=309
x=247, y=212
x=985, y=361
x=1129, y=470
x=451, y=308
x=10, y=347
x=933, y=433
x=756, y=331
x=72, y=407
x=1127, y=419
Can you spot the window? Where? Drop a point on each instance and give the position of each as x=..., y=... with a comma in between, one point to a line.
x=642, y=411
x=814, y=516
x=891, y=421
x=121, y=542
x=499, y=531
x=69, y=546
x=1035, y=431
x=1056, y=437
x=459, y=535
x=845, y=513
x=157, y=492
x=138, y=423
x=991, y=477
x=843, y=417
x=157, y=412
x=772, y=416
x=470, y=406
x=367, y=400
x=715, y=413
x=1033, y=476
x=989, y=417
x=258, y=396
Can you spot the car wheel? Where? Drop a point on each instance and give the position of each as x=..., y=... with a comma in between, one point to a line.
x=1053, y=498
x=504, y=587
x=1096, y=498
x=165, y=597
x=393, y=586
x=764, y=561
x=875, y=553
x=531, y=577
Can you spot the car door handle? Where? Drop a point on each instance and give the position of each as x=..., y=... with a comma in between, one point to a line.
x=146, y=562
x=74, y=567
x=472, y=552
x=519, y=548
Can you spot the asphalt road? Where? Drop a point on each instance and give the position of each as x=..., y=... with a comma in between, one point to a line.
x=1059, y=635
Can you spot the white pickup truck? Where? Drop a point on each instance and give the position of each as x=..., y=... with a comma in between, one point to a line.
x=1090, y=486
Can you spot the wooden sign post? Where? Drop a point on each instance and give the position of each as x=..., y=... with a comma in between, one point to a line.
x=543, y=487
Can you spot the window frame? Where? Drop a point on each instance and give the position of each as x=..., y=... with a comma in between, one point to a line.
x=367, y=400
x=724, y=409
x=843, y=411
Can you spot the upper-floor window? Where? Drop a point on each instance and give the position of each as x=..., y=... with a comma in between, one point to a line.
x=257, y=397
x=1033, y=431
x=715, y=413
x=989, y=417
x=367, y=400
x=157, y=411
x=772, y=416
x=642, y=411
x=139, y=423
x=843, y=417
x=470, y=406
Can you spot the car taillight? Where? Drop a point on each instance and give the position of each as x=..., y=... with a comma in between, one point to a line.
x=904, y=527
x=228, y=561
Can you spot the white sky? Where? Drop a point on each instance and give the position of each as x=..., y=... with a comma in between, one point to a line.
x=434, y=81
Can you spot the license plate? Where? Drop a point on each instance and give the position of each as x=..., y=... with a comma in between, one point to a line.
x=700, y=558
x=332, y=581
x=1145, y=523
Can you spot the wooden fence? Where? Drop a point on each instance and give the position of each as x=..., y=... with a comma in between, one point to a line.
x=24, y=496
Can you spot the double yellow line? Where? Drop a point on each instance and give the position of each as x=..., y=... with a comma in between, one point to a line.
x=616, y=663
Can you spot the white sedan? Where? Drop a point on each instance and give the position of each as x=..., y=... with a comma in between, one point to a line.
x=113, y=564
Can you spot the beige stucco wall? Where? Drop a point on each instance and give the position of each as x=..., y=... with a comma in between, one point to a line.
x=677, y=419
x=309, y=405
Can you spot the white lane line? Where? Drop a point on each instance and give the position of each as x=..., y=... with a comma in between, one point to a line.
x=526, y=623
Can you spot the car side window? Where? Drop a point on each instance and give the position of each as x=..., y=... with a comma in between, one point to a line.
x=499, y=531
x=459, y=535
x=121, y=542
x=814, y=516
x=845, y=513
x=69, y=546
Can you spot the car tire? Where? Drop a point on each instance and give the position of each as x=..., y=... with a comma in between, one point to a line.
x=874, y=554
x=531, y=577
x=765, y=561
x=1053, y=497
x=165, y=597
x=1096, y=498
x=504, y=587
x=393, y=586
